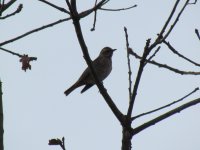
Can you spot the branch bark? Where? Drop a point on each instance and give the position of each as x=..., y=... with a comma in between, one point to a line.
x=164, y=116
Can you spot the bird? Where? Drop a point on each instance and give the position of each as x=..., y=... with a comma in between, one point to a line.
x=102, y=66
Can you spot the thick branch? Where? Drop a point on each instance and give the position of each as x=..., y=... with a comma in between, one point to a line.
x=164, y=116
x=100, y=86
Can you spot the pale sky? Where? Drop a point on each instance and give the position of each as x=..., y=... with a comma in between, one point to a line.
x=35, y=108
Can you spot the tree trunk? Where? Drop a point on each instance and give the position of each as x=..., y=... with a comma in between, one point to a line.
x=1, y=119
x=126, y=139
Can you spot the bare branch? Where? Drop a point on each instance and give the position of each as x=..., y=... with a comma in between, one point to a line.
x=7, y=5
x=193, y=2
x=180, y=55
x=34, y=30
x=168, y=20
x=164, y=116
x=129, y=65
x=153, y=55
x=166, y=66
x=100, y=86
x=168, y=105
x=81, y=15
x=14, y=13
x=55, y=6
x=120, y=9
x=139, y=75
x=197, y=33
x=176, y=20
x=95, y=17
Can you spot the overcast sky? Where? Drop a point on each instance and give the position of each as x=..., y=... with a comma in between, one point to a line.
x=35, y=108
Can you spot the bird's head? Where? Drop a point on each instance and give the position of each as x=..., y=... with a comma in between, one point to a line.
x=107, y=52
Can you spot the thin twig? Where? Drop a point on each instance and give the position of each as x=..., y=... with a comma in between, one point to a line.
x=197, y=33
x=176, y=20
x=166, y=66
x=17, y=54
x=81, y=15
x=167, y=22
x=153, y=55
x=193, y=2
x=164, y=116
x=15, y=12
x=55, y=6
x=168, y=105
x=129, y=64
x=139, y=75
x=120, y=9
x=95, y=18
x=34, y=30
x=180, y=55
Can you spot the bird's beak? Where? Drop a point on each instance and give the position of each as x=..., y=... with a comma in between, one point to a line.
x=114, y=50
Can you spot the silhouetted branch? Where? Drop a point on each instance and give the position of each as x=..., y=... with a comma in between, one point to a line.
x=24, y=59
x=7, y=5
x=95, y=18
x=34, y=30
x=58, y=142
x=15, y=12
x=166, y=66
x=55, y=6
x=81, y=15
x=176, y=20
x=167, y=22
x=153, y=55
x=197, y=33
x=164, y=116
x=180, y=55
x=84, y=48
x=1, y=119
x=168, y=105
x=129, y=64
x=139, y=75
x=120, y=9
x=193, y=2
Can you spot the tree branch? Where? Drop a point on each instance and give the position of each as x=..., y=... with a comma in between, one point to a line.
x=55, y=6
x=176, y=20
x=120, y=9
x=180, y=55
x=197, y=33
x=100, y=86
x=168, y=105
x=129, y=65
x=164, y=116
x=34, y=30
x=139, y=75
x=95, y=17
x=14, y=13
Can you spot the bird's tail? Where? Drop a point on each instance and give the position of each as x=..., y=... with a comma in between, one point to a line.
x=69, y=90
